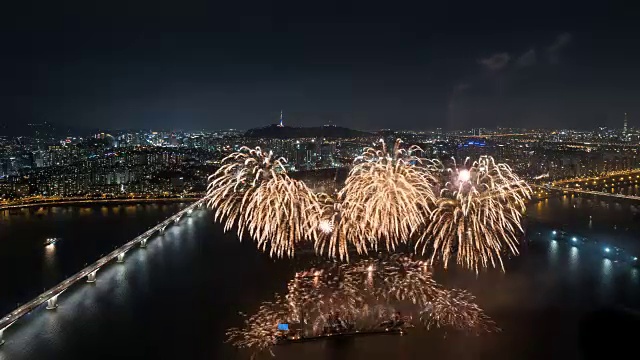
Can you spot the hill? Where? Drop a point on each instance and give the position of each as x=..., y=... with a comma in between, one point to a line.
x=287, y=132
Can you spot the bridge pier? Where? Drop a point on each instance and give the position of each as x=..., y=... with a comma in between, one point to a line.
x=91, y=278
x=162, y=230
x=2, y=332
x=177, y=220
x=143, y=243
x=52, y=303
x=121, y=257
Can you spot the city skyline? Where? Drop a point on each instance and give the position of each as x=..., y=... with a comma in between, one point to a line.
x=369, y=66
x=80, y=131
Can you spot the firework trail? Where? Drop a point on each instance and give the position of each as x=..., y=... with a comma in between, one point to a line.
x=364, y=295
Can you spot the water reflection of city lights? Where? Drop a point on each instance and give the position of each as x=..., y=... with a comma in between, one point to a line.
x=607, y=269
x=50, y=250
x=50, y=256
x=553, y=251
x=615, y=254
x=574, y=258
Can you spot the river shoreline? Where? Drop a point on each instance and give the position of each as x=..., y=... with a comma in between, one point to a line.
x=97, y=201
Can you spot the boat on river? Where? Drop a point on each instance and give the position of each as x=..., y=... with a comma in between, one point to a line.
x=51, y=241
x=293, y=334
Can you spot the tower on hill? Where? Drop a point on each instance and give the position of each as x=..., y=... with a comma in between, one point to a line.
x=281, y=124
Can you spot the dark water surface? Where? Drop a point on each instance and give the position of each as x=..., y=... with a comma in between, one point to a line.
x=175, y=299
x=85, y=233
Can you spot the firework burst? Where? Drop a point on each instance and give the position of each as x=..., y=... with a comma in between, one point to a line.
x=253, y=192
x=471, y=213
x=325, y=226
x=477, y=214
x=386, y=198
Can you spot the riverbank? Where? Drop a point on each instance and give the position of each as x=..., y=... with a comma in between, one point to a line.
x=98, y=201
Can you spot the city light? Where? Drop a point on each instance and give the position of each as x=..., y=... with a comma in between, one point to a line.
x=607, y=249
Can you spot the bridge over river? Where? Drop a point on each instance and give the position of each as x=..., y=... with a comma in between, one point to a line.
x=589, y=192
x=50, y=297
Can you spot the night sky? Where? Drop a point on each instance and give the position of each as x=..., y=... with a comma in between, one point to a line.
x=368, y=65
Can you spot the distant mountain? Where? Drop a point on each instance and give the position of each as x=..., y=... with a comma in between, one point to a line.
x=287, y=132
x=42, y=130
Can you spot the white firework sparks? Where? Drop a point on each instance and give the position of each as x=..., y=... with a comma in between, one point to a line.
x=326, y=226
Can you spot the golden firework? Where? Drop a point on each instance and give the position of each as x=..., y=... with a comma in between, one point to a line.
x=477, y=214
x=253, y=192
x=386, y=198
x=472, y=212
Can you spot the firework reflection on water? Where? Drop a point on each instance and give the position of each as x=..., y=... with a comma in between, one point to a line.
x=366, y=295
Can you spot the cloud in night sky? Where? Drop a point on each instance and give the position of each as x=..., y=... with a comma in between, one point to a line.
x=528, y=58
x=461, y=87
x=561, y=42
x=496, y=61
x=211, y=65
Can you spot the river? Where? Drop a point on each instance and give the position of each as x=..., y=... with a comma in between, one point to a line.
x=176, y=298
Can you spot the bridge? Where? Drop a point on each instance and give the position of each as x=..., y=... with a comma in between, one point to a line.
x=606, y=176
x=596, y=193
x=50, y=297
